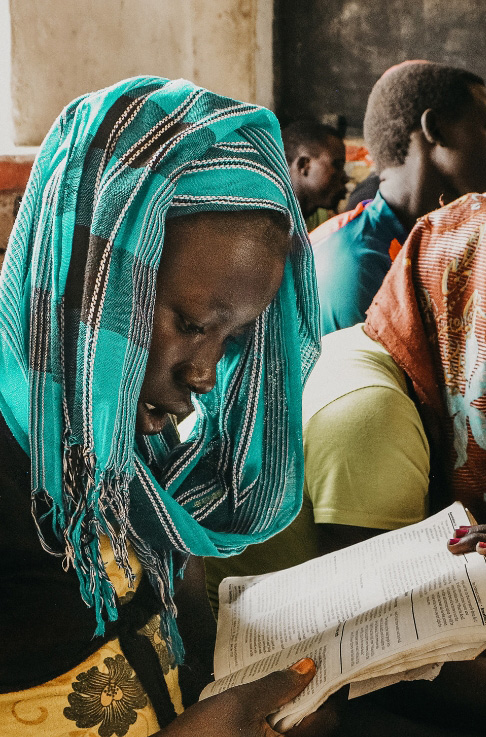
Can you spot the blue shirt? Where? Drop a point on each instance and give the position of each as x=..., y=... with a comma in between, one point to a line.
x=352, y=261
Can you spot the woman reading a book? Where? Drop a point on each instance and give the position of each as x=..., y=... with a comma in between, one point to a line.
x=159, y=262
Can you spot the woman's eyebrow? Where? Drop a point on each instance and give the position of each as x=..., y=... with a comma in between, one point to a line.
x=224, y=313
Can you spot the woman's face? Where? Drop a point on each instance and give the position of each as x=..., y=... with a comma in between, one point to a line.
x=217, y=273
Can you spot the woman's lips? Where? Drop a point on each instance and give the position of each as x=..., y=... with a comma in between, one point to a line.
x=151, y=418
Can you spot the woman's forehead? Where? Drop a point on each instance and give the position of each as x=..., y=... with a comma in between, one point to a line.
x=211, y=271
x=227, y=235
x=210, y=256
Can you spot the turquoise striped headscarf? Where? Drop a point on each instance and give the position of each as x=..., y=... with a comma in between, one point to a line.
x=77, y=293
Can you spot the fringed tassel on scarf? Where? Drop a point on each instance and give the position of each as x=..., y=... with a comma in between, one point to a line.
x=161, y=574
x=93, y=510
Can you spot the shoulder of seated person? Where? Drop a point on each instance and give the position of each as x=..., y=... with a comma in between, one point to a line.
x=364, y=405
x=339, y=226
x=340, y=346
x=349, y=361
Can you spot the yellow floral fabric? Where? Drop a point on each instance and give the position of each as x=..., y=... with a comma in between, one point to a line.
x=101, y=697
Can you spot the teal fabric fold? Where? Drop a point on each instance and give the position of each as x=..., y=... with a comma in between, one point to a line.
x=76, y=302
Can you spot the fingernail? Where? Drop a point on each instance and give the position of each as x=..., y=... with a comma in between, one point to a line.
x=303, y=666
x=481, y=545
x=454, y=541
x=464, y=527
x=461, y=533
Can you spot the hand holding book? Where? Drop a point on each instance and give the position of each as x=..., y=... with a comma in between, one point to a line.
x=389, y=608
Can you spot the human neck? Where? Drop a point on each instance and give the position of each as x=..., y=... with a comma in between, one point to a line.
x=414, y=188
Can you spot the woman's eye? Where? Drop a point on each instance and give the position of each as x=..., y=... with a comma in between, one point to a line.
x=186, y=326
x=232, y=339
x=240, y=336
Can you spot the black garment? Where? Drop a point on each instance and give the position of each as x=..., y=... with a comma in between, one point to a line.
x=365, y=190
x=45, y=628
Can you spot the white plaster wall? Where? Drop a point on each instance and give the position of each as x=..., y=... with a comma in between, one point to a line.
x=63, y=48
x=5, y=97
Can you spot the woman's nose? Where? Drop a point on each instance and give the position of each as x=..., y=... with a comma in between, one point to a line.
x=199, y=374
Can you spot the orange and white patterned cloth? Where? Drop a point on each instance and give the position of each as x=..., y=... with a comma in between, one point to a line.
x=430, y=314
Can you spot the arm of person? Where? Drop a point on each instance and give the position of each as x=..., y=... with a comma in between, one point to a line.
x=366, y=466
x=334, y=537
x=366, y=473
x=241, y=710
x=368, y=716
x=455, y=697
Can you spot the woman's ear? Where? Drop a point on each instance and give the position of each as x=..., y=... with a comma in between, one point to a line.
x=430, y=125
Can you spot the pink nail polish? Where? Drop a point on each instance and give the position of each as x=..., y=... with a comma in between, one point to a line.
x=454, y=541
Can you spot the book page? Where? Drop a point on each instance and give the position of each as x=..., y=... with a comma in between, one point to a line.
x=400, y=600
x=367, y=685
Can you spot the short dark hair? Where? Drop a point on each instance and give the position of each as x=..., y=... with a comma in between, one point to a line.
x=399, y=98
x=308, y=134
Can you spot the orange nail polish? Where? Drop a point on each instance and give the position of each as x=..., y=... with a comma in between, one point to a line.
x=303, y=666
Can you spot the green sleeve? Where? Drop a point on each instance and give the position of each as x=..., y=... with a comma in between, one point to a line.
x=367, y=460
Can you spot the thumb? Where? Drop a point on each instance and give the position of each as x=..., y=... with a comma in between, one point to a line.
x=278, y=688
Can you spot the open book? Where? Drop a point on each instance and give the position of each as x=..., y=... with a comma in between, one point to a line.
x=394, y=607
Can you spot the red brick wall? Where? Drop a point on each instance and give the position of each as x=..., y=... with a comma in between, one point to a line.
x=14, y=173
